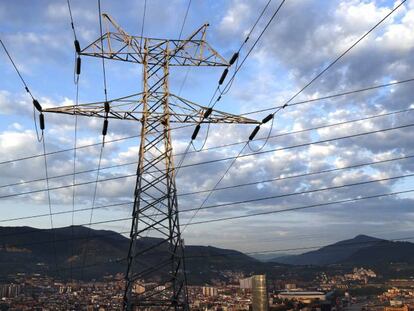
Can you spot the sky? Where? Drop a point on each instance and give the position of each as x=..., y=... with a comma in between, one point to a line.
x=302, y=40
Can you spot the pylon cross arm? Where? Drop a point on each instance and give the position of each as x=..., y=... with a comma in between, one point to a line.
x=186, y=52
x=117, y=44
x=131, y=108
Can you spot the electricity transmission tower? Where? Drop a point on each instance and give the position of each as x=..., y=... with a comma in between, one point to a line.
x=155, y=205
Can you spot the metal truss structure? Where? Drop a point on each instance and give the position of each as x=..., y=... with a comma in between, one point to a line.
x=132, y=108
x=155, y=206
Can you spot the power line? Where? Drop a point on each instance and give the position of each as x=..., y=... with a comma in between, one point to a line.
x=17, y=70
x=36, y=104
x=277, y=109
x=220, y=82
x=379, y=244
x=75, y=138
x=224, y=74
x=66, y=212
x=48, y=197
x=255, y=24
x=84, y=146
x=291, y=249
x=297, y=176
x=105, y=125
x=202, y=162
x=213, y=189
x=303, y=248
x=303, y=207
x=225, y=187
x=103, y=59
x=239, y=156
x=179, y=38
x=76, y=80
x=304, y=192
x=234, y=58
x=229, y=83
x=101, y=149
x=292, y=98
x=263, y=199
x=143, y=21
x=243, y=114
x=185, y=19
x=32, y=230
x=343, y=54
x=332, y=96
x=244, y=43
x=94, y=197
x=71, y=19
x=115, y=233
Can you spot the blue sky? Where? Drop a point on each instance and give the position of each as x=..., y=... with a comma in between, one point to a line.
x=304, y=38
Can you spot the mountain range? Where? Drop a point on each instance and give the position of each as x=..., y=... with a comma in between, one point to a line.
x=361, y=250
x=84, y=253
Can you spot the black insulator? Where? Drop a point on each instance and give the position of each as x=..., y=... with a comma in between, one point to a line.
x=42, y=121
x=253, y=134
x=268, y=118
x=233, y=58
x=218, y=99
x=208, y=113
x=284, y=106
x=107, y=107
x=27, y=89
x=78, y=65
x=77, y=46
x=105, y=127
x=37, y=105
x=195, y=133
x=223, y=76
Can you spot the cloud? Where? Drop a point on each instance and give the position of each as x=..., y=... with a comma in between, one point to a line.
x=235, y=18
x=302, y=40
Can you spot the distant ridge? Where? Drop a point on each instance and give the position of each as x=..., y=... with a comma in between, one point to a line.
x=30, y=250
x=362, y=249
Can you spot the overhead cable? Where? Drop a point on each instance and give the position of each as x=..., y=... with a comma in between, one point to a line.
x=279, y=178
x=270, y=198
x=204, y=162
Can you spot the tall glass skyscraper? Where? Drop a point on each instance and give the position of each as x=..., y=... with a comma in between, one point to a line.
x=259, y=293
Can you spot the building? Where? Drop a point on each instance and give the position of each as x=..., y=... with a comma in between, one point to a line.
x=9, y=290
x=209, y=291
x=246, y=283
x=402, y=308
x=138, y=288
x=290, y=286
x=304, y=296
x=260, y=300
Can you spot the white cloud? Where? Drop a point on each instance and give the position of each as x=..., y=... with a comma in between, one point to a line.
x=301, y=41
x=235, y=18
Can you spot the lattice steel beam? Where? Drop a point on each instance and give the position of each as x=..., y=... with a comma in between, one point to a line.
x=119, y=45
x=155, y=197
x=131, y=108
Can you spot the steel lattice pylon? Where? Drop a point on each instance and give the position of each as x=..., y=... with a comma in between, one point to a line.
x=155, y=205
